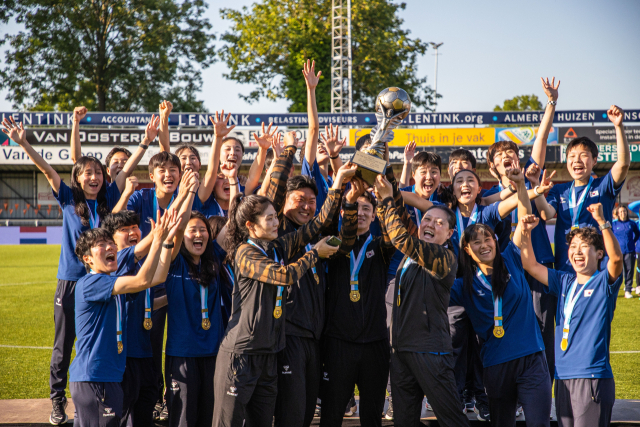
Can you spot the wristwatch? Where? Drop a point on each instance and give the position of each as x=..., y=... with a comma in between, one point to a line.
x=512, y=188
x=141, y=145
x=605, y=226
x=554, y=103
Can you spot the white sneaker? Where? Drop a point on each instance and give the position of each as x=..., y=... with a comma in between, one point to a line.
x=428, y=406
x=628, y=295
x=519, y=410
x=637, y=290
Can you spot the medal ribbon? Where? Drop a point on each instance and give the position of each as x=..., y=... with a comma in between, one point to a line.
x=569, y=305
x=406, y=265
x=118, y=322
x=94, y=218
x=147, y=304
x=514, y=213
x=308, y=248
x=280, y=288
x=417, y=211
x=575, y=209
x=155, y=205
x=204, y=299
x=356, y=264
x=472, y=220
x=497, y=302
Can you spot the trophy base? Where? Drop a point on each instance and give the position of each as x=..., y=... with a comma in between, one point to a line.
x=369, y=167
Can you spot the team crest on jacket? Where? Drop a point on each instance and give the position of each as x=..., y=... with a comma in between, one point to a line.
x=286, y=369
x=108, y=412
x=175, y=386
x=232, y=391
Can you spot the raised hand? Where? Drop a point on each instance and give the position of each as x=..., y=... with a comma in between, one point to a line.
x=596, y=212
x=79, y=113
x=277, y=145
x=229, y=169
x=166, y=223
x=325, y=250
x=184, y=182
x=533, y=174
x=514, y=174
x=358, y=187
x=383, y=188
x=615, y=114
x=545, y=183
x=264, y=141
x=151, y=131
x=290, y=138
x=165, y=109
x=14, y=131
x=331, y=141
x=409, y=152
x=220, y=128
x=131, y=184
x=529, y=222
x=309, y=73
x=346, y=172
x=550, y=89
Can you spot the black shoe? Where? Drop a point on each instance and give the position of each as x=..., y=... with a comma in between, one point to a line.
x=483, y=412
x=389, y=414
x=58, y=416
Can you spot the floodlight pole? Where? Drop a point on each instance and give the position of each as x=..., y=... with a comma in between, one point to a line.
x=435, y=84
x=341, y=65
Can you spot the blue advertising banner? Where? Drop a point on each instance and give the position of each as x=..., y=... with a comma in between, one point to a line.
x=300, y=119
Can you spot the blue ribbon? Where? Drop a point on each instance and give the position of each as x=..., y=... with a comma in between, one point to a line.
x=497, y=302
x=155, y=205
x=275, y=255
x=460, y=223
x=576, y=209
x=570, y=303
x=356, y=263
x=406, y=265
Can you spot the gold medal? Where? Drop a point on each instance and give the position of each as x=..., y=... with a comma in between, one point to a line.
x=277, y=312
x=206, y=324
x=315, y=276
x=574, y=227
x=120, y=347
x=147, y=324
x=498, y=331
x=354, y=296
x=564, y=344
x=398, y=300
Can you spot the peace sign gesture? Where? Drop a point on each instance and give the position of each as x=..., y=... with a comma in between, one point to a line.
x=220, y=128
x=309, y=73
x=266, y=139
x=550, y=89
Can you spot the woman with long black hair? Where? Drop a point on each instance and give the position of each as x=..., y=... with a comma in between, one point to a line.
x=495, y=294
x=246, y=380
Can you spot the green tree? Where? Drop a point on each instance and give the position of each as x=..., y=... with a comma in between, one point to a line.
x=521, y=103
x=109, y=55
x=268, y=43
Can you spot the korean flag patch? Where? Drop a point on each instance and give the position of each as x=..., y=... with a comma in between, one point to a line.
x=370, y=253
x=588, y=292
x=594, y=193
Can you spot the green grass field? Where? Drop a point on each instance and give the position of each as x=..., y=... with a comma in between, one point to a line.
x=27, y=288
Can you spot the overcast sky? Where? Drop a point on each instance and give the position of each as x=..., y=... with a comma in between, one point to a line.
x=492, y=51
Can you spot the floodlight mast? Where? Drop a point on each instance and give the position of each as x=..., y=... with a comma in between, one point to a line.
x=341, y=66
x=435, y=84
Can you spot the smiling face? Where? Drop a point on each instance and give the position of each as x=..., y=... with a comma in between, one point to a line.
x=434, y=227
x=103, y=258
x=505, y=159
x=221, y=189
x=265, y=226
x=623, y=214
x=231, y=151
x=427, y=179
x=322, y=156
x=196, y=237
x=166, y=177
x=482, y=248
x=366, y=215
x=466, y=187
x=580, y=162
x=188, y=160
x=116, y=164
x=300, y=206
x=583, y=256
x=457, y=165
x=127, y=236
x=90, y=180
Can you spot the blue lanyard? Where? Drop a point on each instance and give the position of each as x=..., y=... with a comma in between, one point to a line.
x=229, y=271
x=147, y=304
x=356, y=265
x=119, y=324
x=497, y=305
x=514, y=213
x=277, y=312
x=569, y=304
x=460, y=223
x=309, y=248
x=155, y=205
x=204, y=299
x=94, y=218
x=576, y=208
x=406, y=265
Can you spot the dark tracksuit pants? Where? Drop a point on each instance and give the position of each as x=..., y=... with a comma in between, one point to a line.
x=97, y=404
x=159, y=318
x=389, y=298
x=64, y=319
x=299, y=371
x=628, y=267
x=585, y=402
x=638, y=270
x=140, y=391
x=190, y=396
x=544, y=305
x=245, y=387
x=348, y=364
x=524, y=380
x=414, y=375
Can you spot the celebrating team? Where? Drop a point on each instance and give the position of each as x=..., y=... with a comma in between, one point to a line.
x=300, y=287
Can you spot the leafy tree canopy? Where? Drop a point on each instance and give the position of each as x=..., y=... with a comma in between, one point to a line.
x=109, y=55
x=268, y=43
x=521, y=103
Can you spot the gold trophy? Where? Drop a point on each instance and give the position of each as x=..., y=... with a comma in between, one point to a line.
x=392, y=106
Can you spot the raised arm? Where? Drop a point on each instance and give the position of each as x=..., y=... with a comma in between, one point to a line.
x=539, y=149
x=277, y=187
x=79, y=113
x=611, y=245
x=144, y=278
x=349, y=230
x=333, y=145
x=538, y=271
x=230, y=171
x=184, y=213
x=264, y=142
x=19, y=136
x=130, y=187
x=524, y=204
x=539, y=187
x=150, y=133
x=621, y=166
x=312, y=80
x=412, y=199
x=165, y=109
x=506, y=206
x=435, y=258
x=409, y=152
x=220, y=130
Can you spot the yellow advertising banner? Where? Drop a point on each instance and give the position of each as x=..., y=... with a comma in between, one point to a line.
x=427, y=137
